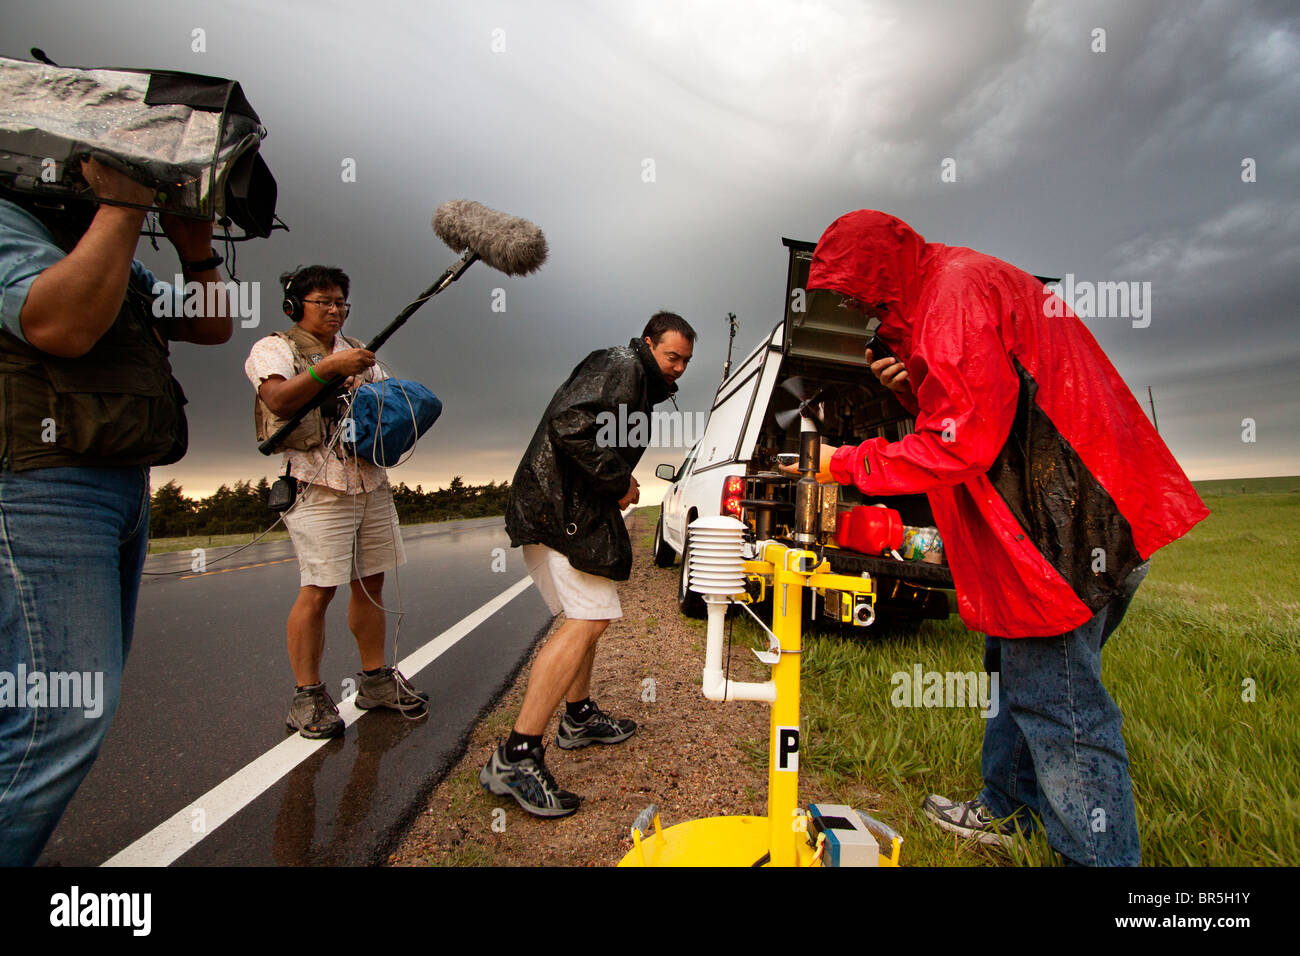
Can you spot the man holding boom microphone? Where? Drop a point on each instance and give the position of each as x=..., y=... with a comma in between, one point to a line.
x=87, y=404
x=1051, y=490
x=343, y=524
x=564, y=509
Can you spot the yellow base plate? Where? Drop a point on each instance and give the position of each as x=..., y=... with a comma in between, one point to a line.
x=712, y=841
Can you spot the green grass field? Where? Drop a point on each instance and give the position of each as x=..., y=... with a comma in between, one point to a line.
x=1248, y=486
x=166, y=545
x=1206, y=668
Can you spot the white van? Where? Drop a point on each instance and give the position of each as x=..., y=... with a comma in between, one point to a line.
x=816, y=348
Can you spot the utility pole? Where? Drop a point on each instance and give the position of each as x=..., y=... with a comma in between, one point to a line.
x=1152, y=399
x=732, y=324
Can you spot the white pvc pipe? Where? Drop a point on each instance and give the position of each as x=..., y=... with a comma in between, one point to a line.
x=716, y=685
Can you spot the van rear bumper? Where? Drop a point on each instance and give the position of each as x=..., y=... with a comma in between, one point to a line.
x=914, y=588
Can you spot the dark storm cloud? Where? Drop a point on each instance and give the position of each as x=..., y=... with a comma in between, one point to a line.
x=755, y=121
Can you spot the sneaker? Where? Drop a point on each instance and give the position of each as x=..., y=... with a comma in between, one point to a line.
x=389, y=689
x=599, y=728
x=970, y=819
x=314, y=714
x=529, y=782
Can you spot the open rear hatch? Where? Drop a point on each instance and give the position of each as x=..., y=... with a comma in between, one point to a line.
x=822, y=347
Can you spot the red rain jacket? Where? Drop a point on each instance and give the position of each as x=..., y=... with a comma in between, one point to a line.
x=1047, y=481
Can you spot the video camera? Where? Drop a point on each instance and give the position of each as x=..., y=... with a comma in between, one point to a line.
x=193, y=138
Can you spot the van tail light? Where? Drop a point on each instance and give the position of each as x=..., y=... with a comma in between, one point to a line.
x=733, y=490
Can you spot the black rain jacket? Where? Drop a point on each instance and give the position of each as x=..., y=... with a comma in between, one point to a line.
x=566, y=490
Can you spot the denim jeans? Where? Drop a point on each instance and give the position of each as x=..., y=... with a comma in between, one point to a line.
x=72, y=549
x=1054, y=746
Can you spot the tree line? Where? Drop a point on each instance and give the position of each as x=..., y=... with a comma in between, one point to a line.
x=241, y=509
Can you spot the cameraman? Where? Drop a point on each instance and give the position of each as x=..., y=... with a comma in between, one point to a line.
x=87, y=405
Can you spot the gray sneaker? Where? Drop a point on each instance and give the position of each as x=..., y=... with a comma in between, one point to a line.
x=314, y=714
x=389, y=689
x=598, y=728
x=970, y=819
x=529, y=782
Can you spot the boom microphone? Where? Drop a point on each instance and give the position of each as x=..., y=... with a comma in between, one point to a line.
x=507, y=243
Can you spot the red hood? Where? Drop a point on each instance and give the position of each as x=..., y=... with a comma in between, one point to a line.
x=873, y=257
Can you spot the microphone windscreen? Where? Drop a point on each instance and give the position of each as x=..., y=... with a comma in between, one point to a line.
x=512, y=245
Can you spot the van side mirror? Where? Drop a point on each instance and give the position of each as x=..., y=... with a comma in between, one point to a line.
x=666, y=472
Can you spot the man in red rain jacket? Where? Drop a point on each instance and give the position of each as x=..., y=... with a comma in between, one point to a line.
x=1050, y=489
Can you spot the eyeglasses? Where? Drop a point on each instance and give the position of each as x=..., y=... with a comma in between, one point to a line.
x=327, y=305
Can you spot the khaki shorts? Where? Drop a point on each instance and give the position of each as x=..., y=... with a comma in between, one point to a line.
x=327, y=526
x=582, y=596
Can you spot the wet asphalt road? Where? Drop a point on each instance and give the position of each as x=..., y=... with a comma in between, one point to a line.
x=208, y=684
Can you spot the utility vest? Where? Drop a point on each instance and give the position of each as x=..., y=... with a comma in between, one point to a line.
x=314, y=429
x=118, y=405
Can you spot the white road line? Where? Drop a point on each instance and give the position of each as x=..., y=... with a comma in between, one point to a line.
x=162, y=845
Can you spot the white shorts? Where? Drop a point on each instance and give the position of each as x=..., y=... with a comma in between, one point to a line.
x=582, y=596
x=327, y=525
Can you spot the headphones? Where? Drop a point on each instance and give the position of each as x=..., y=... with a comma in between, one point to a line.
x=292, y=305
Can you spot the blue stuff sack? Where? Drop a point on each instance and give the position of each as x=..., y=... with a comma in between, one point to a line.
x=382, y=416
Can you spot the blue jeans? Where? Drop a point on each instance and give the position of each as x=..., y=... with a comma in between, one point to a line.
x=1054, y=746
x=72, y=549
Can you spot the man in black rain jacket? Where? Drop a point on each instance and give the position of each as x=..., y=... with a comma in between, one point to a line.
x=564, y=511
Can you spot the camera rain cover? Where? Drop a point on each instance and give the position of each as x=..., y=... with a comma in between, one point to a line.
x=193, y=138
